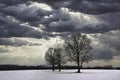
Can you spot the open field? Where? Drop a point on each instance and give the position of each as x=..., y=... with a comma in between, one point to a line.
x=64, y=75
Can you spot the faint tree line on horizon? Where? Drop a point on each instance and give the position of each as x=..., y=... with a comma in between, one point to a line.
x=76, y=49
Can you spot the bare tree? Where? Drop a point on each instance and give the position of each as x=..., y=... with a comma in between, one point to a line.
x=50, y=58
x=59, y=57
x=78, y=49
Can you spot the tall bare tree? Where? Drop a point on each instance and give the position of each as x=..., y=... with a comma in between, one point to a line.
x=59, y=57
x=50, y=58
x=78, y=49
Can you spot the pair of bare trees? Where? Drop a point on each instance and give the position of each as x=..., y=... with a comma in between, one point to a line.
x=55, y=56
x=76, y=47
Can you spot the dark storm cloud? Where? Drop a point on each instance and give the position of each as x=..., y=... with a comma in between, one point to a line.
x=101, y=51
x=14, y=2
x=11, y=2
x=35, y=13
x=10, y=27
x=91, y=6
x=111, y=39
x=106, y=46
x=112, y=19
x=85, y=6
x=68, y=21
x=31, y=13
x=60, y=20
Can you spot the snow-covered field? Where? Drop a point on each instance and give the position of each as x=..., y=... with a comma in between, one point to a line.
x=64, y=75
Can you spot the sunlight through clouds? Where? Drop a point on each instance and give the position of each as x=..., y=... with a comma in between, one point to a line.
x=29, y=27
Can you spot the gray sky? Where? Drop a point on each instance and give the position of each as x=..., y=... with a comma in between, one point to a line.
x=29, y=27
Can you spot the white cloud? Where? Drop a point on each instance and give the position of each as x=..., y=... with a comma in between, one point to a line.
x=41, y=6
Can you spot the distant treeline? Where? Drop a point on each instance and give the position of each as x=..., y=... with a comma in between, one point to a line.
x=44, y=67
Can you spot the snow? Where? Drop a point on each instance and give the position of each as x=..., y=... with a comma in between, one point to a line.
x=64, y=75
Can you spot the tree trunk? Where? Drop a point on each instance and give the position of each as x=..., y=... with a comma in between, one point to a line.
x=78, y=68
x=81, y=64
x=53, y=67
x=78, y=62
x=59, y=66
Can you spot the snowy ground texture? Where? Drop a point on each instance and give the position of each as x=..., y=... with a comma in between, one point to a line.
x=64, y=75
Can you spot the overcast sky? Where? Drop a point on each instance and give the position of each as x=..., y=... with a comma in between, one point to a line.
x=29, y=27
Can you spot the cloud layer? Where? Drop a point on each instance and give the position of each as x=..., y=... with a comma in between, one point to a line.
x=32, y=23
x=106, y=46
